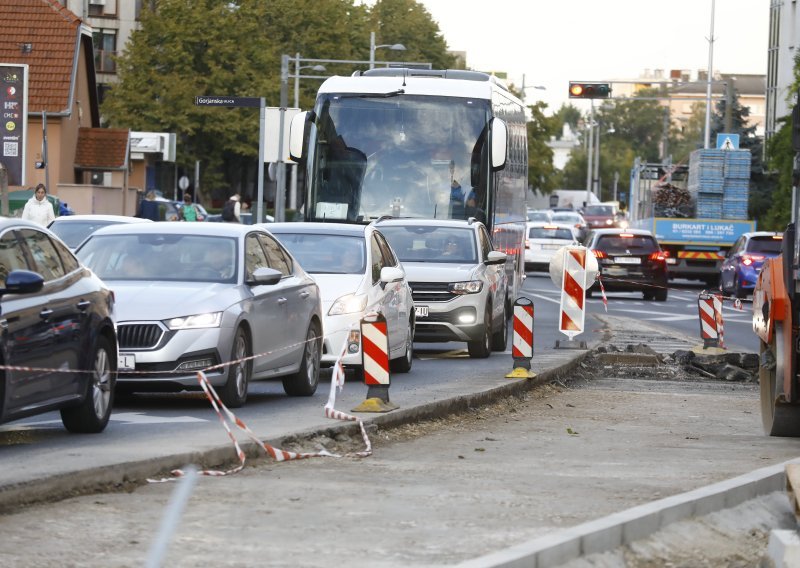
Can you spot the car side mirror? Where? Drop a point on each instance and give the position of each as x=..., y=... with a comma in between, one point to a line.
x=391, y=274
x=22, y=282
x=495, y=257
x=499, y=144
x=265, y=276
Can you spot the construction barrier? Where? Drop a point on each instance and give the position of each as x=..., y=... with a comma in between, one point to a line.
x=522, y=344
x=711, y=328
x=375, y=361
x=573, y=269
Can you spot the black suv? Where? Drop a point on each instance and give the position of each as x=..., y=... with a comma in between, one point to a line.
x=629, y=260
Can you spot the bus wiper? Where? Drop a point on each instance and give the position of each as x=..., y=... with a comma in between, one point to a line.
x=373, y=95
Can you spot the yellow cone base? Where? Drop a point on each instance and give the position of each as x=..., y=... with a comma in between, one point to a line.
x=521, y=373
x=700, y=350
x=375, y=405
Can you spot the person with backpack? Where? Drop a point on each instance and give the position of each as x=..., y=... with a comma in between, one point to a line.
x=231, y=209
x=187, y=212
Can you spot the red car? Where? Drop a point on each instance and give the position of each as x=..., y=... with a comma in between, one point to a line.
x=601, y=216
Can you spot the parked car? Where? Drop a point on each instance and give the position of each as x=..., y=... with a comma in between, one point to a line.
x=572, y=218
x=56, y=314
x=543, y=240
x=75, y=228
x=629, y=260
x=601, y=216
x=744, y=260
x=542, y=215
x=226, y=298
x=458, y=281
x=357, y=273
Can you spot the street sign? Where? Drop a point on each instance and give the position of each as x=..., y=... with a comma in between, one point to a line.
x=727, y=141
x=14, y=126
x=272, y=129
x=183, y=183
x=252, y=102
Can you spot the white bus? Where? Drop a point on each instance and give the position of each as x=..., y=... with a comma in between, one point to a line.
x=417, y=143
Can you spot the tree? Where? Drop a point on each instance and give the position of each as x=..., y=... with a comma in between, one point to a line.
x=739, y=118
x=541, y=172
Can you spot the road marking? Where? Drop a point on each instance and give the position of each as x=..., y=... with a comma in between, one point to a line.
x=143, y=418
x=543, y=297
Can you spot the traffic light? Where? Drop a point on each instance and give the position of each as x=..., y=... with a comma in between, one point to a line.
x=589, y=90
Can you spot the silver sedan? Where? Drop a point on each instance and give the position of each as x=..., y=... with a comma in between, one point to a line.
x=226, y=298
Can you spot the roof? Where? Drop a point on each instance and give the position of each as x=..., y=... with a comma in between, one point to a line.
x=618, y=231
x=415, y=222
x=55, y=35
x=99, y=217
x=101, y=148
x=744, y=84
x=179, y=228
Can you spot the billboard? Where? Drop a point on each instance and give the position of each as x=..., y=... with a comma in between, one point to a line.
x=14, y=123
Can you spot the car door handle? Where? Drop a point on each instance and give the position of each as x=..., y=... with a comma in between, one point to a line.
x=282, y=301
x=45, y=313
x=304, y=295
x=83, y=305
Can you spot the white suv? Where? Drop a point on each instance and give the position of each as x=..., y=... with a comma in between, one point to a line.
x=457, y=280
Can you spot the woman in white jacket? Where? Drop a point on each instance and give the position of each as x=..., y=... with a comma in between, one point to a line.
x=38, y=209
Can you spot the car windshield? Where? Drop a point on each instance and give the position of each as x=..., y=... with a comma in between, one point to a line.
x=599, y=210
x=74, y=232
x=326, y=254
x=538, y=216
x=619, y=244
x=549, y=233
x=415, y=243
x=160, y=257
x=764, y=244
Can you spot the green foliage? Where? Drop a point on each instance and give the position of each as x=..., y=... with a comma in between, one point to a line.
x=541, y=173
x=779, y=200
x=567, y=114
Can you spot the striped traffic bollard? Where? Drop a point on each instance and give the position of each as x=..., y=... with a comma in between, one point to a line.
x=710, y=310
x=574, y=282
x=375, y=362
x=522, y=344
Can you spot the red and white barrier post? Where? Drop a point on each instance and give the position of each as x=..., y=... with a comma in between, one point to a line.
x=573, y=269
x=522, y=344
x=375, y=362
x=711, y=328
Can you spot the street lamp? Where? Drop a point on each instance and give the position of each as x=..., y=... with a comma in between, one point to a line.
x=373, y=47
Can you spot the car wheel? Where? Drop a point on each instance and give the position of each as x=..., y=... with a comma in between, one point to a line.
x=234, y=393
x=500, y=337
x=304, y=382
x=660, y=295
x=92, y=415
x=648, y=295
x=482, y=348
x=403, y=364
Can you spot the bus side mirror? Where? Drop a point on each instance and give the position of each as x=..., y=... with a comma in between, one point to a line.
x=297, y=136
x=499, y=144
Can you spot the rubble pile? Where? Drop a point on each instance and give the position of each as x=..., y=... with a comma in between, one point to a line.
x=672, y=201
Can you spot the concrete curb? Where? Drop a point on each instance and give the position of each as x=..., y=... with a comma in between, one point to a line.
x=135, y=473
x=625, y=527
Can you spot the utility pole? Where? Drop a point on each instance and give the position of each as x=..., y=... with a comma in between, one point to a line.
x=589, y=155
x=707, y=140
x=729, y=105
x=280, y=189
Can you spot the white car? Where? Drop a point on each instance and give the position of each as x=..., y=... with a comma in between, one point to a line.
x=459, y=282
x=357, y=273
x=73, y=229
x=543, y=240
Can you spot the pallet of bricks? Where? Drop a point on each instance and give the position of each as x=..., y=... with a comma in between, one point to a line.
x=719, y=182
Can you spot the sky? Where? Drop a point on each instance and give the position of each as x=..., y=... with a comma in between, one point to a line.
x=552, y=42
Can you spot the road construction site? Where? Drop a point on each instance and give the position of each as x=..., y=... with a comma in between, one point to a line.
x=570, y=467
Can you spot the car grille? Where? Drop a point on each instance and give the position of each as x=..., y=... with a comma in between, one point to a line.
x=423, y=292
x=139, y=335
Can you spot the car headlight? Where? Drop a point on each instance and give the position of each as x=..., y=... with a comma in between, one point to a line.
x=198, y=321
x=609, y=222
x=470, y=287
x=348, y=304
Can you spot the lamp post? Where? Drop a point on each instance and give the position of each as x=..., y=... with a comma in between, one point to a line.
x=373, y=47
x=596, y=180
x=297, y=68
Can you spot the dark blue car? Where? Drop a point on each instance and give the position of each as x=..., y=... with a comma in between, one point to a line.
x=744, y=260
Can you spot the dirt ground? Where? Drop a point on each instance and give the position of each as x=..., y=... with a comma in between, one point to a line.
x=607, y=438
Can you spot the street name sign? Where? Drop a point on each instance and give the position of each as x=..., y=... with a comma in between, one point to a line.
x=225, y=101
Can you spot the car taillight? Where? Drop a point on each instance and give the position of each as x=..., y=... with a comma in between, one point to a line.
x=600, y=253
x=527, y=244
x=660, y=255
x=748, y=259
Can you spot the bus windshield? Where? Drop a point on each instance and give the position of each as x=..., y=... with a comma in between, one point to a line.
x=400, y=155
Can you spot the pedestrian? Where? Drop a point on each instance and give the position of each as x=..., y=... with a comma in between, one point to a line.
x=232, y=209
x=148, y=207
x=188, y=211
x=38, y=208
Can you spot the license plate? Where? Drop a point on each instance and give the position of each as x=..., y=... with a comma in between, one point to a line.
x=672, y=261
x=421, y=311
x=615, y=271
x=551, y=247
x=126, y=362
x=627, y=260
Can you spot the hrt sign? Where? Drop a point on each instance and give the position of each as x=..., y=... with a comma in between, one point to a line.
x=14, y=120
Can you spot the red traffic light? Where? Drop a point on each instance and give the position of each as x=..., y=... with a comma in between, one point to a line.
x=589, y=90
